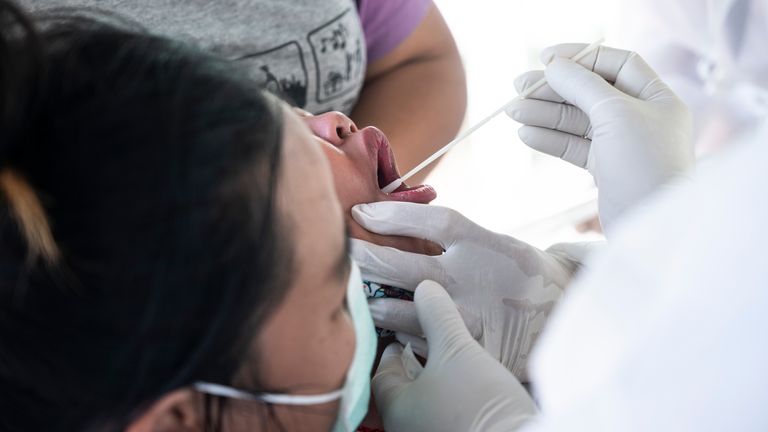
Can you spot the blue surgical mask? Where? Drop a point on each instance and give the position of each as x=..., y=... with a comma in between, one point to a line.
x=357, y=387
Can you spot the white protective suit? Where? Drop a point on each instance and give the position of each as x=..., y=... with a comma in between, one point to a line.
x=667, y=331
x=664, y=331
x=712, y=53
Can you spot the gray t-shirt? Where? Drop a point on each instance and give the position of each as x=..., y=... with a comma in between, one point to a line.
x=312, y=52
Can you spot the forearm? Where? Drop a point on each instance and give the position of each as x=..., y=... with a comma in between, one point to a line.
x=419, y=105
x=416, y=94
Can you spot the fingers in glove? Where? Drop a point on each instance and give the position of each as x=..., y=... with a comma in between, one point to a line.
x=628, y=72
x=434, y=223
x=544, y=92
x=570, y=148
x=443, y=326
x=639, y=80
x=413, y=367
x=580, y=86
x=557, y=116
x=393, y=267
x=401, y=316
x=604, y=61
x=390, y=377
x=395, y=314
x=418, y=344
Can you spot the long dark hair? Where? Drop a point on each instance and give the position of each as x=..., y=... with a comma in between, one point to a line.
x=140, y=243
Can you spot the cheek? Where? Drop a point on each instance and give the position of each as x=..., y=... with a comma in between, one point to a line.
x=311, y=357
x=307, y=350
x=334, y=348
x=352, y=185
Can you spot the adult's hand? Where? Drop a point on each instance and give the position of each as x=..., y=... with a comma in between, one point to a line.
x=611, y=114
x=504, y=288
x=461, y=388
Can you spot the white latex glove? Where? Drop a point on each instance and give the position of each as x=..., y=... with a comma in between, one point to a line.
x=460, y=389
x=504, y=288
x=620, y=121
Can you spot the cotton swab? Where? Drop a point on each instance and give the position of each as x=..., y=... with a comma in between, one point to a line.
x=527, y=92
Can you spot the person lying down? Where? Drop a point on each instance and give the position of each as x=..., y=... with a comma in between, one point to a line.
x=362, y=163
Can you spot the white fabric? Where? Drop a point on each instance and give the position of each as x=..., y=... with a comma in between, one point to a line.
x=712, y=53
x=667, y=331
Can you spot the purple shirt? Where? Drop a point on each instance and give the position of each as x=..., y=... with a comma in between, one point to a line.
x=387, y=23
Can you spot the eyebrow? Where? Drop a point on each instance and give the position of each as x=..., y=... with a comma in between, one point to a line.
x=342, y=261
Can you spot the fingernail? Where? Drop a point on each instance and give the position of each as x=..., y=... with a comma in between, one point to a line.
x=519, y=82
x=558, y=60
x=410, y=363
x=378, y=309
x=513, y=113
x=393, y=349
x=547, y=57
x=523, y=133
x=362, y=209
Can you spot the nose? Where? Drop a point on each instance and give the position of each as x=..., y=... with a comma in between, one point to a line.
x=332, y=126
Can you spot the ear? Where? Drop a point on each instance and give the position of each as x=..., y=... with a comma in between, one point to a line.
x=179, y=410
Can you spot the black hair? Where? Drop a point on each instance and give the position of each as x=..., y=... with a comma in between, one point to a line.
x=151, y=169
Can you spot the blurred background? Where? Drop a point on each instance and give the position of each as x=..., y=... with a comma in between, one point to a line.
x=492, y=177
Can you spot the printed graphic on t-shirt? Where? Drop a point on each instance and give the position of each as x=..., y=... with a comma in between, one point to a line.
x=339, y=57
x=282, y=71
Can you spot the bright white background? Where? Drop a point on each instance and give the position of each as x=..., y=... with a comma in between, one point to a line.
x=492, y=177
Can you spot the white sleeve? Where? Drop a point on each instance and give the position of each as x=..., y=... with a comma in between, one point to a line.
x=667, y=328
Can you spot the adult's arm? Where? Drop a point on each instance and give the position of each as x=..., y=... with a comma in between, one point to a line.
x=416, y=93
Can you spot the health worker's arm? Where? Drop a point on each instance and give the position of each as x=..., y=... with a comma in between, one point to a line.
x=416, y=93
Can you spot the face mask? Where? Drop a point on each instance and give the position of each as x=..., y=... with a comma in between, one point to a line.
x=357, y=387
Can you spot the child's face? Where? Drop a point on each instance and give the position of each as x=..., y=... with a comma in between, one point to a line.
x=314, y=192
x=362, y=163
x=291, y=358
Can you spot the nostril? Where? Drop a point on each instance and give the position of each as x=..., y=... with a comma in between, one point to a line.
x=343, y=131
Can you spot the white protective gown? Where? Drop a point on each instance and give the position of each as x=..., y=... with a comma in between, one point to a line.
x=668, y=328
x=713, y=55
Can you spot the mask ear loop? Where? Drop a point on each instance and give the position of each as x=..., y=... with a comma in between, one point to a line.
x=270, y=398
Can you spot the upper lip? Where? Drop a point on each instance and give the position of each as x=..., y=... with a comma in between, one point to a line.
x=385, y=168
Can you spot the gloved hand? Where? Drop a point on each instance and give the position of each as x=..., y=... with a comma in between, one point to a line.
x=461, y=388
x=619, y=120
x=504, y=288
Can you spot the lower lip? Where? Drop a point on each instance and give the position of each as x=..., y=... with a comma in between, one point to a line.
x=419, y=194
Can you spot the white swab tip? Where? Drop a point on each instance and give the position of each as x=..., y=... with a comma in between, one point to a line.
x=392, y=186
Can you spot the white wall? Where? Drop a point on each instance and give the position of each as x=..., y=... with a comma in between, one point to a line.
x=493, y=178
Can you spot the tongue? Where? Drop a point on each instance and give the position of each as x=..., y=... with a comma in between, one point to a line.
x=422, y=194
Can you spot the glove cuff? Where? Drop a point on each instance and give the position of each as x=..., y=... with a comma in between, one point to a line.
x=573, y=255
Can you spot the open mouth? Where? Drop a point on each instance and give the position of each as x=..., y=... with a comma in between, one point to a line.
x=386, y=173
